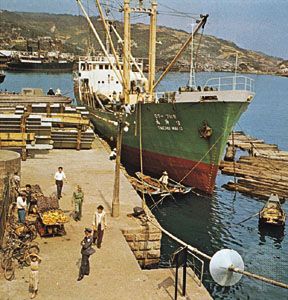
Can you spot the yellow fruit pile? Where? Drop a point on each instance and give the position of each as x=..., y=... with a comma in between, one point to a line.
x=52, y=217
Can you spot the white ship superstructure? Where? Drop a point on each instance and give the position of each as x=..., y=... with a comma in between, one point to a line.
x=95, y=74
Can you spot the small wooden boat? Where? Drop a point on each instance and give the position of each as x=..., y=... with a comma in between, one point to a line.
x=144, y=188
x=171, y=187
x=272, y=212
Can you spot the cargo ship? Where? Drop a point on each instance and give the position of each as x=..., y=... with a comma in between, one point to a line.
x=39, y=64
x=182, y=132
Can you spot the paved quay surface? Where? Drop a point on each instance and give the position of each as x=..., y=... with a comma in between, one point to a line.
x=114, y=271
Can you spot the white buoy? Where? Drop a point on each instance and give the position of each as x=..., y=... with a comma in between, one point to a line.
x=219, y=266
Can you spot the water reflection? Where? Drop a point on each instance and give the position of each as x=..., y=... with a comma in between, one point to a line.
x=275, y=233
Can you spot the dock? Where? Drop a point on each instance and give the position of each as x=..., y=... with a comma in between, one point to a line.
x=115, y=272
x=262, y=171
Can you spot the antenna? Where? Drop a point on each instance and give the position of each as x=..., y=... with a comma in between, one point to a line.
x=235, y=73
x=107, y=8
x=192, y=78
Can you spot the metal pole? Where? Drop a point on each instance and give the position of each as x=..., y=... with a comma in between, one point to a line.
x=235, y=73
x=131, y=56
x=115, y=201
x=126, y=51
x=176, y=278
x=192, y=81
x=184, y=272
x=152, y=49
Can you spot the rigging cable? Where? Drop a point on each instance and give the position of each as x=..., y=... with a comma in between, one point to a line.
x=199, y=161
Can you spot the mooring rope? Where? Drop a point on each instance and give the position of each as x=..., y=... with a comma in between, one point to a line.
x=204, y=255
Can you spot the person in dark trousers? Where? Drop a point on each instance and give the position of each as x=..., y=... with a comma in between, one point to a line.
x=99, y=224
x=21, y=207
x=50, y=92
x=28, y=193
x=59, y=178
x=86, y=251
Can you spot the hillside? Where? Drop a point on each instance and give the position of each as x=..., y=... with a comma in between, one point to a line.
x=213, y=54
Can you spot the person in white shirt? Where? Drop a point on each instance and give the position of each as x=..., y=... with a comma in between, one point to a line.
x=99, y=224
x=21, y=207
x=164, y=179
x=59, y=178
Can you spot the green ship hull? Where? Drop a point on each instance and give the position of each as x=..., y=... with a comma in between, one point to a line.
x=186, y=139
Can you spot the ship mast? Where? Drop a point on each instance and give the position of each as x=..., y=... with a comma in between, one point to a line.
x=192, y=79
x=118, y=73
x=109, y=41
x=152, y=49
x=126, y=51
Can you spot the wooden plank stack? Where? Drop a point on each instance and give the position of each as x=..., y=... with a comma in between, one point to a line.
x=263, y=172
x=25, y=98
x=53, y=126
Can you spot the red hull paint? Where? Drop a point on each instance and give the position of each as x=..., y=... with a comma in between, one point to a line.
x=202, y=177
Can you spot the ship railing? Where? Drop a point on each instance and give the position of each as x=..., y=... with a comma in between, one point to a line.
x=99, y=58
x=230, y=83
x=102, y=58
x=185, y=259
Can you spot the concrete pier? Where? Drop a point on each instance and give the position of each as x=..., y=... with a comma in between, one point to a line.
x=115, y=272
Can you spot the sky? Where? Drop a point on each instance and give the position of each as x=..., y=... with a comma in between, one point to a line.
x=260, y=25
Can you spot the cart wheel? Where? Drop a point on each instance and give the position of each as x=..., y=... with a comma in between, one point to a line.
x=33, y=233
x=9, y=270
x=4, y=262
x=6, y=255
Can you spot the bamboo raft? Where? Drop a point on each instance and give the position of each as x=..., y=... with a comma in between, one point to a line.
x=262, y=172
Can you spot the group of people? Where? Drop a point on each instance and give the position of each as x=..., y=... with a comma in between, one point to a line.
x=24, y=203
x=93, y=236
x=52, y=93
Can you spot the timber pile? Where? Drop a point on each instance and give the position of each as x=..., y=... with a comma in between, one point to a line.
x=264, y=172
x=53, y=126
x=250, y=144
x=30, y=96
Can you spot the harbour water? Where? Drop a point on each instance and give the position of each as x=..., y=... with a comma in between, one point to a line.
x=210, y=224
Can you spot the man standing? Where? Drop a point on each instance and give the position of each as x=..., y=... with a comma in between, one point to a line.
x=99, y=224
x=21, y=207
x=86, y=251
x=59, y=177
x=28, y=193
x=78, y=197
